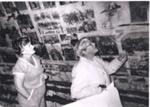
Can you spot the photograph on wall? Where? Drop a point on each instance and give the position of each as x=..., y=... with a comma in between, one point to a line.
x=33, y=37
x=68, y=52
x=8, y=6
x=71, y=30
x=139, y=72
x=39, y=17
x=1, y=59
x=12, y=32
x=55, y=15
x=139, y=11
x=139, y=62
x=65, y=68
x=51, y=39
x=111, y=10
x=68, y=38
x=135, y=42
x=79, y=20
x=4, y=23
x=54, y=70
x=8, y=57
x=2, y=13
x=41, y=51
x=46, y=25
x=34, y=5
x=8, y=33
x=110, y=15
x=77, y=16
x=24, y=22
x=50, y=27
x=139, y=79
x=67, y=2
x=3, y=42
x=87, y=26
x=54, y=51
x=49, y=4
x=21, y=6
x=65, y=38
x=105, y=44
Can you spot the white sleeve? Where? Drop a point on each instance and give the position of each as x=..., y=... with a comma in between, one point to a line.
x=112, y=66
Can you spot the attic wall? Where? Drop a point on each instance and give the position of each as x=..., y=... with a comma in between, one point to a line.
x=115, y=27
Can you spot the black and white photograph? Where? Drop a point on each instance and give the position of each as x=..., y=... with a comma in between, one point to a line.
x=55, y=52
x=135, y=42
x=49, y=4
x=68, y=52
x=1, y=11
x=66, y=2
x=21, y=6
x=34, y=5
x=139, y=11
x=13, y=32
x=8, y=6
x=87, y=26
x=51, y=39
x=139, y=63
x=33, y=37
x=24, y=22
x=7, y=35
x=46, y=24
x=42, y=16
x=8, y=57
x=41, y=51
x=74, y=53
x=55, y=15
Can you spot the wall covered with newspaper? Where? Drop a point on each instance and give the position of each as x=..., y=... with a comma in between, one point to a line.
x=115, y=27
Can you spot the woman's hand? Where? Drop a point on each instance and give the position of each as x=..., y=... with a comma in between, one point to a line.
x=45, y=76
x=122, y=57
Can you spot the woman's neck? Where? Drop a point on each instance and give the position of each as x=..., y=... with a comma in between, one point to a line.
x=90, y=57
x=27, y=57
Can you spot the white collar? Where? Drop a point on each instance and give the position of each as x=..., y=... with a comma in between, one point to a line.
x=28, y=62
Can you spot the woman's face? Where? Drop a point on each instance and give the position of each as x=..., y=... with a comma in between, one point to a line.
x=28, y=49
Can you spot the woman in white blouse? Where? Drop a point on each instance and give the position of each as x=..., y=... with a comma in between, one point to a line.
x=29, y=76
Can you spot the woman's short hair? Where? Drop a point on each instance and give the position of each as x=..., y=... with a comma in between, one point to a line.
x=81, y=46
x=19, y=42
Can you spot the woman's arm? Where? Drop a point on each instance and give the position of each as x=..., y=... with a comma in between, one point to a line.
x=18, y=80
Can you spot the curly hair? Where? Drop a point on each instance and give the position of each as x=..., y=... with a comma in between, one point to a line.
x=19, y=42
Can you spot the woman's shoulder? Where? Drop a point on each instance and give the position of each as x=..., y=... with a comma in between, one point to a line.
x=20, y=64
